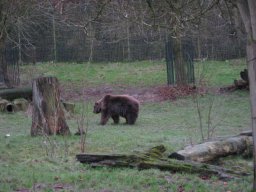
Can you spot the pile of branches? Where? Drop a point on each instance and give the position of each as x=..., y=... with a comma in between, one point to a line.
x=241, y=84
x=174, y=92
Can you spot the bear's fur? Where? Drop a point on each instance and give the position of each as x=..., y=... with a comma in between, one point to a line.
x=117, y=105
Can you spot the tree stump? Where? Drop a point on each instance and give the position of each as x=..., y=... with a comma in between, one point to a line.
x=48, y=117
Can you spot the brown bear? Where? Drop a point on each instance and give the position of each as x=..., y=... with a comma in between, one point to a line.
x=117, y=105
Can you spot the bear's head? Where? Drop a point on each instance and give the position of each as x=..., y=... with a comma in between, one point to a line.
x=97, y=107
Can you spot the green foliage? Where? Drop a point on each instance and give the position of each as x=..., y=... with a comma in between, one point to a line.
x=25, y=162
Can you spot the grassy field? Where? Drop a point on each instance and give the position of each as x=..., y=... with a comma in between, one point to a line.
x=42, y=164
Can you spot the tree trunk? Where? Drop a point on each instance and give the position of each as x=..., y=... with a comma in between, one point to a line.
x=247, y=10
x=251, y=57
x=154, y=158
x=212, y=150
x=48, y=116
x=179, y=63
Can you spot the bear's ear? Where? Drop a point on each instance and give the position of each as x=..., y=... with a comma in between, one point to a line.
x=107, y=97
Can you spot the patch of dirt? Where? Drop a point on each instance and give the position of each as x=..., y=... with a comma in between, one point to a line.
x=143, y=94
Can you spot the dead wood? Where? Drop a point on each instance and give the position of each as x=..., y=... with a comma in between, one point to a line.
x=212, y=150
x=3, y=103
x=20, y=104
x=68, y=106
x=48, y=115
x=155, y=158
x=242, y=83
x=14, y=93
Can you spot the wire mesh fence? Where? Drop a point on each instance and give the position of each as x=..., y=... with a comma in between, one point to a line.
x=75, y=46
x=9, y=67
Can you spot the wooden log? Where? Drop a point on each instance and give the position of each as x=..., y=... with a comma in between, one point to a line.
x=20, y=104
x=3, y=103
x=228, y=88
x=10, y=108
x=212, y=150
x=155, y=158
x=11, y=94
x=47, y=115
x=241, y=84
x=246, y=133
x=68, y=106
x=17, y=105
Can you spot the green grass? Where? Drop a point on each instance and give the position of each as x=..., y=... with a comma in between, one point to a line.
x=219, y=73
x=33, y=163
x=92, y=74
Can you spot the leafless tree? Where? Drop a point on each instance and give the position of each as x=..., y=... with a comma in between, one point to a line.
x=247, y=9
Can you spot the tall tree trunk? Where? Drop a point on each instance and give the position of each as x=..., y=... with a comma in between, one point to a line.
x=251, y=57
x=179, y=63
x=48, y=116
x=247, y=9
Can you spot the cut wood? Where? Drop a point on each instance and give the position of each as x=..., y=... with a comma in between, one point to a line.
x=212, y=150
x=48, y=115
x=17, y=105
x=10, y=107
x=3, y=103
x=246, y=133
x=20, y=104
x=155, y=158
x=68, y=106
x=11, y=94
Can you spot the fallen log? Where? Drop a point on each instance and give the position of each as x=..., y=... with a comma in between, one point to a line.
x=68, y=106
x=20, y=104
x=11, y=94
x=3, y=103
x=241, y=84
x=246, y=133
x=17, y=105
x=10, y=108
x=212, y=150
x=155, y=158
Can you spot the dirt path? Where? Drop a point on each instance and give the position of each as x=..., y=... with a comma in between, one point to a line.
x=148, y=94
x=143, y=94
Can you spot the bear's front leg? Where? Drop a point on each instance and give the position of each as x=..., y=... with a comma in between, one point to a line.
x=104, y=118
x=130, y=119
